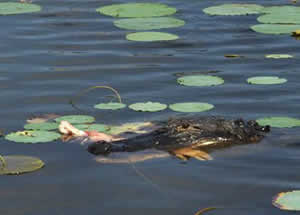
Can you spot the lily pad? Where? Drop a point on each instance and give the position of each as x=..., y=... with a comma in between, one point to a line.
x=280, y=10
x=45, y=126
x=287, y=200
x=135, y=10
x=275, y=28
x=19, y=164
x=9, y=8
x=93, y=127
x=280, y=18
x=151, y=36
x=279, y=122
x=29, y=136
x=130, y=127
x=278, y=56
x=200, y=80
x=143, y=24
x=148, y=106
x=76, y=119
x=110, y=106
x=191, y=107
x=233, y=9
x=266, y=80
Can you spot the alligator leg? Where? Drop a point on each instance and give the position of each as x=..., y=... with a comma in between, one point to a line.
x=189, y=152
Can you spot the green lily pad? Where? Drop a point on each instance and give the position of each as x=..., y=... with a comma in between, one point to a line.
x=110, y=106
x=275, y=28
x=233, y=9
x=93, y=127
x=278, y=56
x=29, y=136
x=135, y=10
x=200, y=80
x=266, y=80
x=76, y=119
x=287, y=200
x=143, y=24
x=280, y=18
x=279, y=122
x=129, y=127
x=280, y=10
x=191, y=107
x=45, y=126
x=151, y=36
x=148, y=106
x=9, y=8
x=19, y=164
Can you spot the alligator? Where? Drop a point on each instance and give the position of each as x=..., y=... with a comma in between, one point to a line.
x=186, y=138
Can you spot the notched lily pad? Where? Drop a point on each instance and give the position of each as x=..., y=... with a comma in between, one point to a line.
x=32, y=136
x=275, y=28
x=279, y=122
x=10, y=8
x=135, y=10
x=287, y=200
x=191, y=107
x=151, y=36
x=278, y=56
x=45, y=126
x=266, y=80
x=233, y=9
x=76, y=119
x=144, y=24
x=19, y=164
x=148, y=106
x=200, y=80
x=110, y=106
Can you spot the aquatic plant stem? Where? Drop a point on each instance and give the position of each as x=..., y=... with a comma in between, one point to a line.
x=81, y=93
x=3, y=162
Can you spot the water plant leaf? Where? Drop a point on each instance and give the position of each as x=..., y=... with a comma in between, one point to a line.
x=143, y=24
x=191, y=107
x=45, y=126
x=110, y=106
x=266, y=80
x=139, y=128
x=280, y=18
x=135, y=10
x=148, y=106
x=92, y=127
x=151, y=36
x=9, y=8
x=280, y=10
x=279, y=122
x=200, y=80
x=278, y=56
x=233, y=9
x=19, y=164
x=287, y=200
x=29, y=136
x=76, y=119
x=275, y=28
x=42, y=118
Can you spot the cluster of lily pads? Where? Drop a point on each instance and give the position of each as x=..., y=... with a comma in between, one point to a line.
x=274, y=19
x=144, y=17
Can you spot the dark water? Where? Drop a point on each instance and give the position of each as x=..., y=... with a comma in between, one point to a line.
x=47, y=57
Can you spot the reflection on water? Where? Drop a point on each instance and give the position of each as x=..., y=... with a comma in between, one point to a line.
x=47, y=57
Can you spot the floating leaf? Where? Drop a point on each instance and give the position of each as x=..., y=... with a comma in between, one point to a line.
x=28, y=136
x=18, y=164
x=200, y=80
x=139, y=128
x=76, y=119
x=279, y=122
x=8, y=8
x=46, y=126
x=287, y=200
x=191, y=107
x=234, y=9
x=93, y=127
x=281, y=10
x=135, y=10
x=42, y=118
x=142, y=24
x=275, y=28
x=151, y=36
x=278, y=56
x=110, y=106
x=281, y=18
x=266, y=80
x=148, y=106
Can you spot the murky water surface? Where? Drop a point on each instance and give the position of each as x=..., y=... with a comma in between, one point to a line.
x=47, y=57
